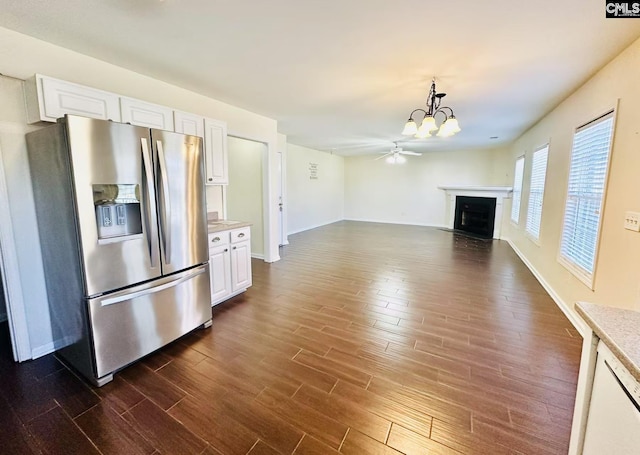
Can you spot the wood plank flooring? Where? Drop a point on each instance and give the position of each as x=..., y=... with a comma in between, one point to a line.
x=364, y=339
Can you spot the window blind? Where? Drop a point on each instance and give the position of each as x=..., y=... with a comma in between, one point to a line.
x=583, y=209
x=536, y=191
x=517, y=190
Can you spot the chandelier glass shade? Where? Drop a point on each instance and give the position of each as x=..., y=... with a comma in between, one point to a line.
x=449, y=125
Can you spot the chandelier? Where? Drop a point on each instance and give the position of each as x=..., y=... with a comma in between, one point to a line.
x=449, y=125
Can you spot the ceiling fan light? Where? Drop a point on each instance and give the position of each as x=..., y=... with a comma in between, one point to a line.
x=410, y=128
x=400, y=159
x=390, y=159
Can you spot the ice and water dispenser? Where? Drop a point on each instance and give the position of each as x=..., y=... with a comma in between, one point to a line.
x=118, y=212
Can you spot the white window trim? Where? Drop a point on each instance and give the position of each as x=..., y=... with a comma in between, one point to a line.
x=577, y=271
x=524, y=162
x=536, y=240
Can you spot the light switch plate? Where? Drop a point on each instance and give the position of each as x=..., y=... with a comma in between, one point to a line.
x=632, y=221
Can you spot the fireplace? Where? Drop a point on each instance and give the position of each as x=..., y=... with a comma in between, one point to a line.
x=497, y=193
x=475, y=215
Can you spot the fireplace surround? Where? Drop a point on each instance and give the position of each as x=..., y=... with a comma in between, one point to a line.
x=499, y=193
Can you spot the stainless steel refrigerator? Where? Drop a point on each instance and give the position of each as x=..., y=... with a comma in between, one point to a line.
x=122, y=222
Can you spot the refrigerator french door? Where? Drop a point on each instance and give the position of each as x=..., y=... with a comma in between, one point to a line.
x=122, y=222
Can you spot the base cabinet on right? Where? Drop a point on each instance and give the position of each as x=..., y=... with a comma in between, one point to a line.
x=230, y=263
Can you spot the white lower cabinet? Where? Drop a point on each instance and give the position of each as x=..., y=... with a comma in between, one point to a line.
x=220, y=265
x=230, y=263
x=240, y=266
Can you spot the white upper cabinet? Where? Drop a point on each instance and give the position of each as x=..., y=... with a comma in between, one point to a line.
x=48, y=99
x=187, y=123
x=215, y=143
x=141, y=113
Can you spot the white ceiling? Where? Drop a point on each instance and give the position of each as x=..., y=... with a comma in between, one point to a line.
x=343, y=76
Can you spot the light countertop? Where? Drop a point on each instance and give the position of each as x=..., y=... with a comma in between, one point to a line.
x=619, y=329
x=225, y=225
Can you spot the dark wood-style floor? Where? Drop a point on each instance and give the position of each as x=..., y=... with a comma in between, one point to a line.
x=363, y=339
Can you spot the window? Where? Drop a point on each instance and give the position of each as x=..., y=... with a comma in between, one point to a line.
x=585, y=193
x=517, y=190
x=536, y=191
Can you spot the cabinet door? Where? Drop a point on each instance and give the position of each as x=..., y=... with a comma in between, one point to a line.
x=141, y=113
x=240, y=266
x=215, y=144
x=187, y=123
x=220, y=265
x=48, y=99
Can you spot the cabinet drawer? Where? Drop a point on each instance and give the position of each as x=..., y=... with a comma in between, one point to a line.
x=218, y=238
x=240, y=235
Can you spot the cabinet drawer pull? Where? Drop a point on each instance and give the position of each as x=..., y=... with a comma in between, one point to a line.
x=226, y=249
x=215, y=239
x=241, y=235
x=234, y=247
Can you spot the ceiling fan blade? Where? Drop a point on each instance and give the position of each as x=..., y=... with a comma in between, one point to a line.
x=383, y=156
x=407, y=152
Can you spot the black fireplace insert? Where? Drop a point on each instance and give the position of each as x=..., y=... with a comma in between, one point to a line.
x=475, y=215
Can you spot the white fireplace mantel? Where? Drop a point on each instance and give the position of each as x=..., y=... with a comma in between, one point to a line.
x=498, y=192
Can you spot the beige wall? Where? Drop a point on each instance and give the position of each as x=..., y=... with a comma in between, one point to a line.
x=617, y=277
x=408, y=193
x=313, y=202
x=21, y=57
x=244, y=192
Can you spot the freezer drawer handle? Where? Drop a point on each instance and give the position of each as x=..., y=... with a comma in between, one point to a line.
x=146, y=164
x=166, y=228
x=162, y=287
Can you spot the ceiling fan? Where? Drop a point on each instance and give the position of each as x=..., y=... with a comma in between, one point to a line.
x=395, y=155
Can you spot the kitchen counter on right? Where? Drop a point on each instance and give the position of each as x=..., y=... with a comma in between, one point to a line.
x=619, y=329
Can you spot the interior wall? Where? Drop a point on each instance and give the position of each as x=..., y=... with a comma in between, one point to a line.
x=408, y=193
x=617, y=277
x=244, y=192
x=313, y=202
x=21, y=57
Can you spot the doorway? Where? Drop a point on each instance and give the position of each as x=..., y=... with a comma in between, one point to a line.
x=245, y=194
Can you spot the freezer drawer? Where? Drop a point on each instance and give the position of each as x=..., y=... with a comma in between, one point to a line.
x=128, y=325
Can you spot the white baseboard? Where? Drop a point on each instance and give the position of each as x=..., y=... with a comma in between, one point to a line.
x=257, y=256
x=53, y=346
x=311, y=227
x=368, y=220
x=579, y=325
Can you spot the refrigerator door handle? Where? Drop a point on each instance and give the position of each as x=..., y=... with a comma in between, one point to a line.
x=166, y=228
x=150, y=225
x=162, y=287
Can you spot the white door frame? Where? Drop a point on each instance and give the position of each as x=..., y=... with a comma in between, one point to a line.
x=282, y=197
x=267, y=205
